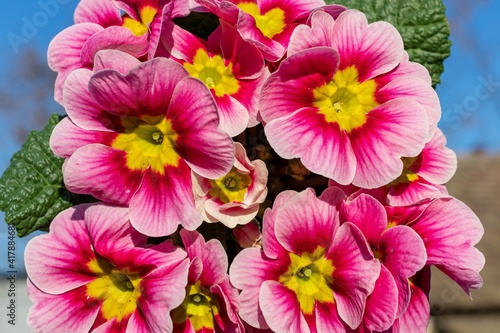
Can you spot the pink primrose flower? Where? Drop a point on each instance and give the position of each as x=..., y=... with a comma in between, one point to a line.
x=399, y=248
x=346, y=103
x=449, y=230
x=133, y=139
x=248, y=235
x=267, y=24
x=211, y=302
x=312, y=275
x=234, y=198
x=231, y=68
x=131, y=26
x=94, y=273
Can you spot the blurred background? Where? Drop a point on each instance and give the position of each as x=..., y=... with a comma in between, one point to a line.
x=470, y=101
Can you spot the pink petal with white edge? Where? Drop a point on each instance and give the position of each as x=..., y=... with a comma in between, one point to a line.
x=321, y=146
x=403, y=255
x=110, y=229
x=206, y=149
x=66, y=251
x=418, y=90
x=355, y=274
x=290, y=88
x=162, y=291
x=305, y=223
x=233, y=116
x=231, y=214
x=252, y=262
x=162, y=202
x=104, y=13
x=117, y=38
x=449, y=227
x=319, y=33
x=105, y=175
x=64, y=52
x=211, y=253
x=69, y=312
x=81, y=107
x=438, y=163
x=409, y=193
x=281, y=308
x=66, y=138
x=368, y=215
x=333, y=195
x=327, y=318
x=250, y=311
x=394, y=129
x=114, y=59
x=381, y=306
x=404, y=69
x=375, y=49
x=146, y=90
x=228, y=320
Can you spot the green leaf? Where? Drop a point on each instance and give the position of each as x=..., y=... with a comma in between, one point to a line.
x=32, y=192
x=421, y=23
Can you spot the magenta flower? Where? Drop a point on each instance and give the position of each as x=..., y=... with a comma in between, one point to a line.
x=332, y=99
x=312, y=274
x=131, y=26
x=94, y=273
x=133, y=140
x=266, y=24
x=449, y=230
x=398, y=247
x=234, y=198
x=231, y=68
x=211, y=302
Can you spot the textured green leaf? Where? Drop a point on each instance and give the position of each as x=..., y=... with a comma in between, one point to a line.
x=32, y=192
x=422, y=24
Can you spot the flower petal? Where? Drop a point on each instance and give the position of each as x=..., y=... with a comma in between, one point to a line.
x=162, y=202
x=104, y=13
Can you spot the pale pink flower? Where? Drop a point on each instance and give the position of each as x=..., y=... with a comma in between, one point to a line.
x=234, y=198
x=312, y=274
x=133, y=135
x=331, y=104
x=94, y=273
x=211, y=302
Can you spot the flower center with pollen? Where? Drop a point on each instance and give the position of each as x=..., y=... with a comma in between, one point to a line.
x=149, y=142
x=231, y=187
x=199, y=305
x=344, y=100
x=271, y=23
x=119, y=290
x=141, y=26
x=213, y=71
x=310, y=277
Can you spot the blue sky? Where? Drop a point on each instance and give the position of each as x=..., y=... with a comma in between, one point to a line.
x=469, y=92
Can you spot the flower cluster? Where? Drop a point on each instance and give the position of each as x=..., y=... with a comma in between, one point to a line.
x=298, y=139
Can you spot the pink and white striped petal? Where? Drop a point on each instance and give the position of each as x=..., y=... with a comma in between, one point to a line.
x=162, y=202
x=281, y=308
x=104, y=13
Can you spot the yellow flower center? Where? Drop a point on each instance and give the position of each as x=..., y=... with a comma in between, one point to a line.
x=310, y=277
x=231, y=187
x=212, y=70
x=149, y=142
x=139, y=28
x=271, y=23
x=344, y=100
x=407, y=176
x=119, y=290
x=199, y=305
